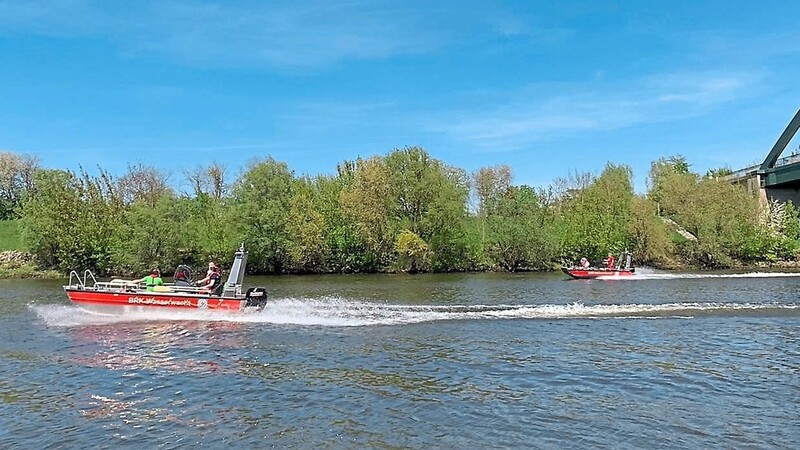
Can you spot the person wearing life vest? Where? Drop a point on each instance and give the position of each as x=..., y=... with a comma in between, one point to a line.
x=610, y=261
x=211, y=266
x=212, y=280
x=152, y=280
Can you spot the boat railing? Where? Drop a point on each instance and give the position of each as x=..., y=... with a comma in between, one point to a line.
x=81, y=281
x=88, y=281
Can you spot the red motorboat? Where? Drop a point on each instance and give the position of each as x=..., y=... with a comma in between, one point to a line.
x=122, y=295
x=596, y=272
x=585, y=271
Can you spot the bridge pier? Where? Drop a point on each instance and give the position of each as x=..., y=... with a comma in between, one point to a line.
x=781, y=195
x=753, y=182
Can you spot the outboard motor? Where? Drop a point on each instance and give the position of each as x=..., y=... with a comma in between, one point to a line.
x=257, y=297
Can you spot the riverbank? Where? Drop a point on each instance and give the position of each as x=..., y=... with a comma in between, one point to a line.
x=17, y=264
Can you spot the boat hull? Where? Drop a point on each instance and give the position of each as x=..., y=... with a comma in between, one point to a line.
x=591, y=273
x=110, y=301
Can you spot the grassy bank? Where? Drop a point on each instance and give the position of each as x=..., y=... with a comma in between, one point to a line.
x=15, y=262
x=26, y=270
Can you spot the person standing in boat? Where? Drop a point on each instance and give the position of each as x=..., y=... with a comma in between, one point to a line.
x=212, y=279
x=610, y=261
x=152, y=280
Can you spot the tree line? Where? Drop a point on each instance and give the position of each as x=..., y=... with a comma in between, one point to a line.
x=401, y=212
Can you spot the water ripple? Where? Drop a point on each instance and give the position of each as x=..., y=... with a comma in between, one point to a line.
x=458, y=361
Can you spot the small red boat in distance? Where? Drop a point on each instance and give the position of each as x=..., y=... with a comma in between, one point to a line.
x=117, y=296
x=586, y=272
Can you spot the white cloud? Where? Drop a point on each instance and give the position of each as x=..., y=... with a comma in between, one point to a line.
x=251, y=33
x=291, y=34
x=693, y=89
x=543, y=113
x=278, y=34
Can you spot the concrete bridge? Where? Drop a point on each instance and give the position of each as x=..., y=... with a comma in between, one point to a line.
x=777, y=178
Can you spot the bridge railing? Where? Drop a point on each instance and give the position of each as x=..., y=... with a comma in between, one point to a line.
x=750, y=172
x=791, y=159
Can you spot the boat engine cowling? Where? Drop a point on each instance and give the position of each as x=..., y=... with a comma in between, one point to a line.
x=256, y=296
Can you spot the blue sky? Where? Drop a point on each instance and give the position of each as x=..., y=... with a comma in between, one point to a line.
x=549, y=88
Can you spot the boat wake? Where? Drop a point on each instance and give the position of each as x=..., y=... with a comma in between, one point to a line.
x=336, y=312
x=650, y=274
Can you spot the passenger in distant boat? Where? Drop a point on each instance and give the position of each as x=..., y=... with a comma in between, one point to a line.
x=152, y=280
x=584, y=263
x=212, y=281
x=610, y=261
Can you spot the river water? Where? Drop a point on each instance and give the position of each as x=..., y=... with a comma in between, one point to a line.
x=428, y=361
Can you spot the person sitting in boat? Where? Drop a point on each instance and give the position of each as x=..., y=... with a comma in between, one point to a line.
x=152, y=280
x=212, y=280
x=211, y=266
x=610, y=261
x=584, y=263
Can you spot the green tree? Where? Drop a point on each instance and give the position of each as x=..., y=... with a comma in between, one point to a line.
x=50, y=217
x=144, y=184
x=595, y=220
x=650, y=242
x=491, y=184
x=429, y=199
x=16, y=181
x=345, y=252
x=723, y=217
x=367, y=203
x=261, y=201
x=520, y=232
x=151, y=236
x=719, y=172
x=413, y=252
x=69, y=221
x=664, y=171
x=306, y=225
x=211, y=180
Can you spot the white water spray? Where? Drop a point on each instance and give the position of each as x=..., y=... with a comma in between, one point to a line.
x=651, y=274
x=337, y=312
